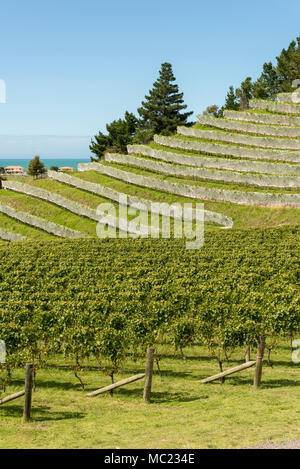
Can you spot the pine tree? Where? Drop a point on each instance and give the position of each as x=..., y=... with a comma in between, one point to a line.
x=275, y=78
x=160, y=113
x=120, y=133
x=244, y=93
x=267, y=85
x=231, y=101
x=36, y=167
x=288, y=66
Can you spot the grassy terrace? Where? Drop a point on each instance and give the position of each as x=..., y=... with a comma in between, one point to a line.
x=69, y=192
x=245, y=132
x=199, y=168
x=72, y=193
x=203, y=183
x=7, y=223
x=261, y=112
x=217, y=153
x=267, y=101
x=230, y=144
x=47, y=211
x=270, y=113
x=243, y=216
x=241, y=121
x=157, y=146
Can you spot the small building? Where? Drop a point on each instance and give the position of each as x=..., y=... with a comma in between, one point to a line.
x=19, y=170
x=65, y=168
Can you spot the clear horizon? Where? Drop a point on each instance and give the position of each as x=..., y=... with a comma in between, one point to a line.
x=71, y=67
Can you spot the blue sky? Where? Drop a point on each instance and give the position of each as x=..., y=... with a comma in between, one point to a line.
x=72, y=66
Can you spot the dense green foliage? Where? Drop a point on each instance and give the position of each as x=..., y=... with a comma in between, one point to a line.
x=120, y=133
x=231, y=101
x=244, y=93
x=36, y=167
x=161, y=112
x=274, y=79
x=213, y=111
x=104, y=299
x=267, y=85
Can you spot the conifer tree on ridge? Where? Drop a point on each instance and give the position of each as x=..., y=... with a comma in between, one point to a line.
x=160, y=113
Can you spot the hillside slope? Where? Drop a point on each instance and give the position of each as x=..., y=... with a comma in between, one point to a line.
x=244, y=168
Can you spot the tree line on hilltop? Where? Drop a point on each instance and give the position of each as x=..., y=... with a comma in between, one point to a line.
x=274, y=79
x=163, y=109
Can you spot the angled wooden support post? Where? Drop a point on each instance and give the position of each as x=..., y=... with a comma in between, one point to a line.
x=228, y=372
x=148, y=373
x=123, y=382
x=12, y=397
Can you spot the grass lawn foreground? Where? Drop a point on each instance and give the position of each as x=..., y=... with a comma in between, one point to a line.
x=183, y=413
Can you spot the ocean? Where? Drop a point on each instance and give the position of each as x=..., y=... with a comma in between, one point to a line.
x=48, y=162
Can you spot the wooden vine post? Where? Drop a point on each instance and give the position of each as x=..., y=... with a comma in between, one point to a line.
x=28, y=391
x=148, y=373
x=259, y=360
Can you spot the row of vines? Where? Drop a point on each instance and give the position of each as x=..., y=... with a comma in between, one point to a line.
x=107, y=300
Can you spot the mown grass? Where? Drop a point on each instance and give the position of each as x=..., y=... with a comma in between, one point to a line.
x=183, y=412
x=67, y=191
x=7, y=223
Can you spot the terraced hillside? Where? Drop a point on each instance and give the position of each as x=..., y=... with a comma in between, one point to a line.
x=245, y=168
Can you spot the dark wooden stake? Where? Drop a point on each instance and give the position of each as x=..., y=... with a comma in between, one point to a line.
x=158, y=366
x=148, y=373
x=259, y=360
x=28, y=391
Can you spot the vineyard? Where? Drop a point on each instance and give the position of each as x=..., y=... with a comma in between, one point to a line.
x=83, y=305
x=110, y=299
x=84, y=311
